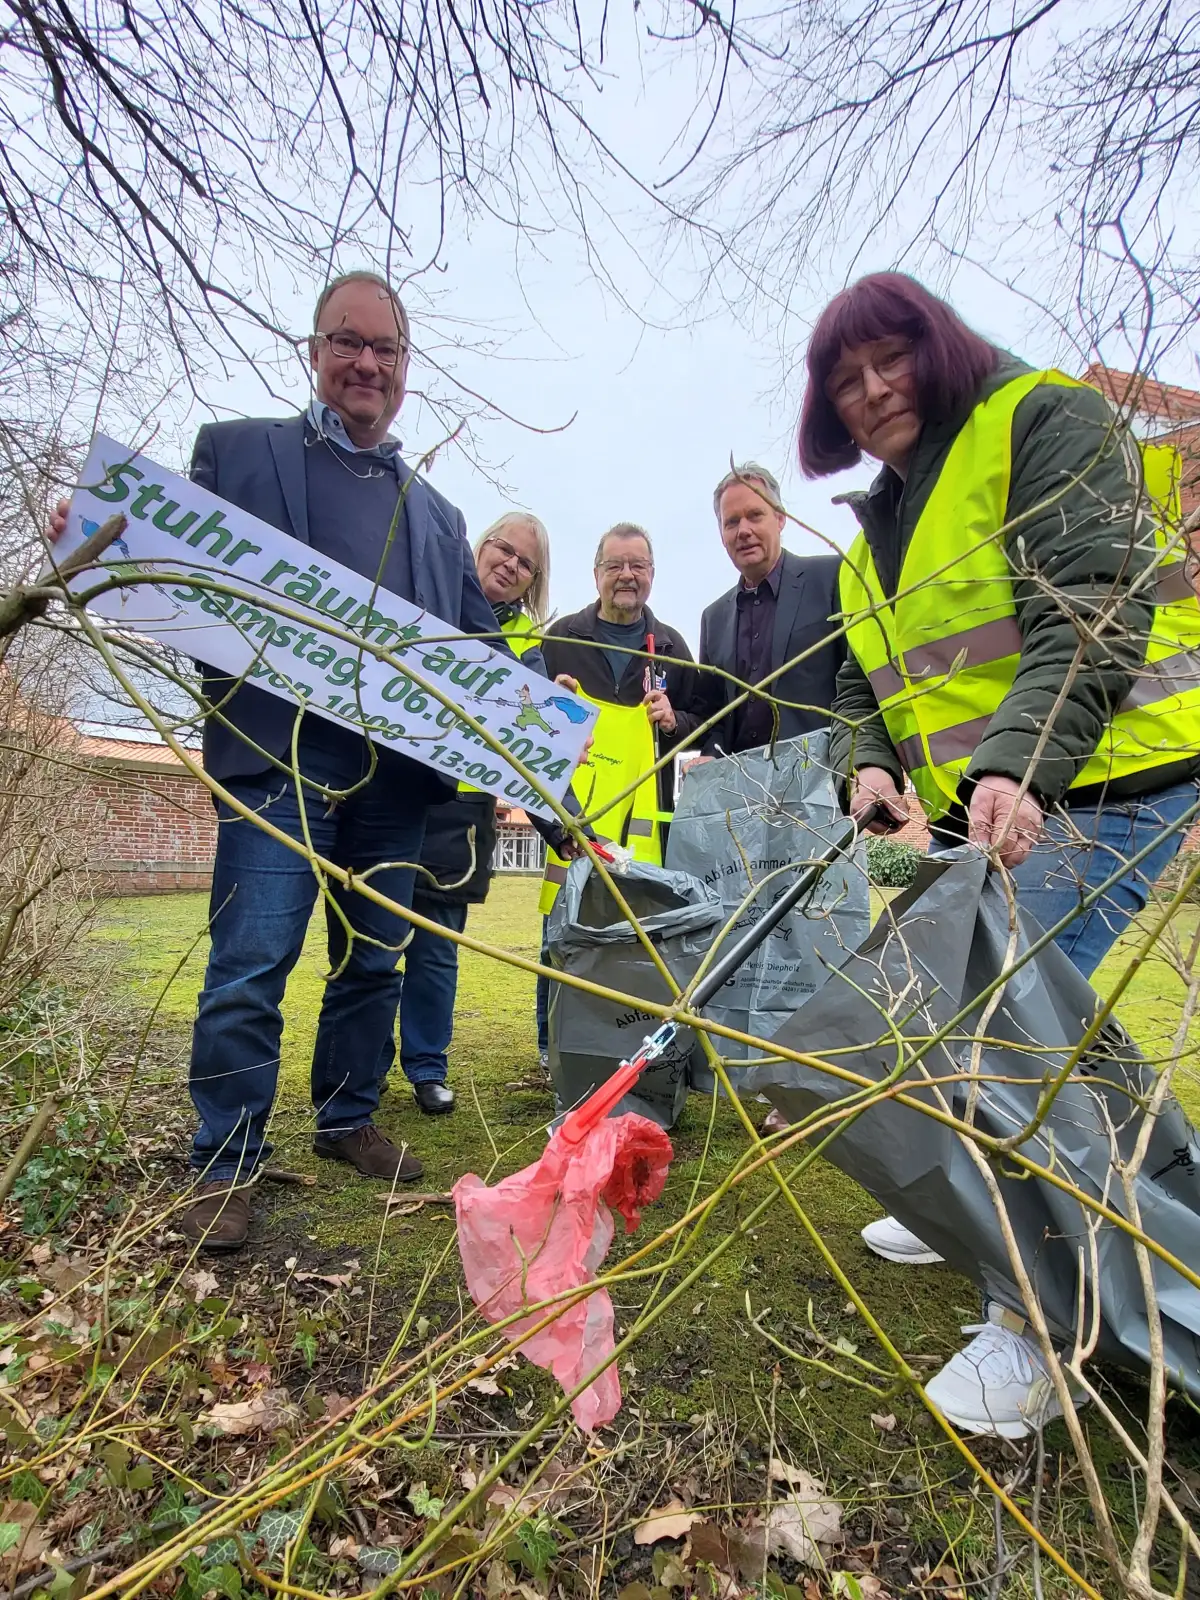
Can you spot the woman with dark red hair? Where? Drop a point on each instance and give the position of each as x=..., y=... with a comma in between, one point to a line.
x=1021, y=648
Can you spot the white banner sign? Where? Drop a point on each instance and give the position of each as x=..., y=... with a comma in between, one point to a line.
x=248, y=600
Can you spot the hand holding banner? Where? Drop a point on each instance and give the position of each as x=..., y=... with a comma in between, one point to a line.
x=248, y=600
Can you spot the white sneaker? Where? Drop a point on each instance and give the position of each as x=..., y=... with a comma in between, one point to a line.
x=999, y=1383
x=891, y=1240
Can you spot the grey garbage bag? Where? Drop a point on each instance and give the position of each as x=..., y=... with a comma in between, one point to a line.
x=751, y=814
x=588, y=935
x=935, y=950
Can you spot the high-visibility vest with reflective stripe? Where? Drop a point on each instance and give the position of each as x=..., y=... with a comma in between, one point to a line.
x=943, y=654
x=622, y=750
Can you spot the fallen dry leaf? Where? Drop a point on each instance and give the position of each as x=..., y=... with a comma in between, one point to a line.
x=262, y=1413
x=783, y=1472
x=886, y=1423
x=501, y=1580
x=671, y=1521
x=484, y=1385
x=335, y=1280
x=674, y=1575
x=202, y=1283
x=343, y=1547
x=797, y=1525
x=65, y=1274
x=708, y=1543
x=848, y=1584
x=33, y=1543
x=60, y=1320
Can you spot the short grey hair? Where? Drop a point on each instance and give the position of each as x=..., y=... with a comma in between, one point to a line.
x=536, y=600
x=360, y=275
x=623, y=530
x=750, y=471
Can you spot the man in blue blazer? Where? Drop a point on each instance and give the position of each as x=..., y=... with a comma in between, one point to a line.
x=779, y=609
x=333, y=478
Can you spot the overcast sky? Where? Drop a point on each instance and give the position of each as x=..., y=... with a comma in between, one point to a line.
x=661, y=396
x=657, y=417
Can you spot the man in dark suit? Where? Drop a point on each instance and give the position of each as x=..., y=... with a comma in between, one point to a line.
x=779, y=609
x=333, y=478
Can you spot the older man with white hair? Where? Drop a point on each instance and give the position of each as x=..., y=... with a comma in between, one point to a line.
x=779, y=610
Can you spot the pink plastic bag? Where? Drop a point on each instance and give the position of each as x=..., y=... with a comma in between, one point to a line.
x=548, y=1228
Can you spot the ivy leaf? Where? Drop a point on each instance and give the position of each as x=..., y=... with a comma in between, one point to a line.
x=533, y=1546
x=221, y=1553
x=306, y=1344
x=377, y=1563
x=424, y=1503
x=10, y=1536
x=225, y=1580
x=277, y=1528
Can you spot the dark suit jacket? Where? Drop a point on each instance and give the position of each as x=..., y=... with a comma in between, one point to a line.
x=808, y=598
x=258, y=465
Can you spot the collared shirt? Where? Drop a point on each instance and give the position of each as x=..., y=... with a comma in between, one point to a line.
x=327, y=424
x=755, y=630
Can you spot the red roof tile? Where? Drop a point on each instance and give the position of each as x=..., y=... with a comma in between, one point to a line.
x=1132, y=391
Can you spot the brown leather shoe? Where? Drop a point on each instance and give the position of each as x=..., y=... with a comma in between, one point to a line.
x=372, y=1153
x=218, y=1218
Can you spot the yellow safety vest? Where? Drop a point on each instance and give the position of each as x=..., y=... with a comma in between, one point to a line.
x=622, y=750
x=943, y=654
x=521, y=633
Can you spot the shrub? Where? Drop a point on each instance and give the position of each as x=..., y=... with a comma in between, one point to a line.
x=891, y=864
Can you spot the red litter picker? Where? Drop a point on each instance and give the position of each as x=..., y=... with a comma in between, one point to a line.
x=547, y=1228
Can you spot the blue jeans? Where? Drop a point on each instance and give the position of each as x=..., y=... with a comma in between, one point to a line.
x=427, y=998
x=1061, y=869
x=542, y=1002
x=262, y=899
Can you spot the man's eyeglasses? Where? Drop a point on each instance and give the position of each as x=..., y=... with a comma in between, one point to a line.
x=524, y=566
x=613, y=568
x=851, y=388
x=348, y=345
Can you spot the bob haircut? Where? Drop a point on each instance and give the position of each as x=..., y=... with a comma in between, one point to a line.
x=951, y=361
x=535, y=602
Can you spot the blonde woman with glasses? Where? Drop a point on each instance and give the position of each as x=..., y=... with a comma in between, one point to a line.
x=512, y=558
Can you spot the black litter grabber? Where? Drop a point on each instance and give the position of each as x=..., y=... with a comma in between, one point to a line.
x=579, y=1123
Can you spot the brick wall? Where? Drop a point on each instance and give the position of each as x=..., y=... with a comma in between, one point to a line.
x=150, y=829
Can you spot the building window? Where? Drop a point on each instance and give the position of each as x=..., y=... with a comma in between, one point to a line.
x=518, y=849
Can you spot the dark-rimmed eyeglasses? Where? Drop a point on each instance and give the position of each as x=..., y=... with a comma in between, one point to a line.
x=524, y=566
x=851, y=388
x=613, y=569
x=347, y=345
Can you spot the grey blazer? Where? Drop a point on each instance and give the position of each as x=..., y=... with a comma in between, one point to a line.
x=258, y=465
x=808, y=600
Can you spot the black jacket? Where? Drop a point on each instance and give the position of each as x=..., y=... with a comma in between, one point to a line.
x=573, y=646
x=446, y=852
x=1075, y=542
x=807, y=601
x=464, y=877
